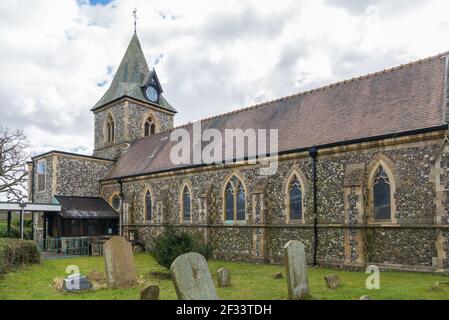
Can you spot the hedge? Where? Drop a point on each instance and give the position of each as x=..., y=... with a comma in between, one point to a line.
x=15, y=252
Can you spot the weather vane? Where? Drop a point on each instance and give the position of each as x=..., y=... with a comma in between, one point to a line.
x=135, y=19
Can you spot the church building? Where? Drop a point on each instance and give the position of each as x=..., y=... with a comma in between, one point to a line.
x=362, y=176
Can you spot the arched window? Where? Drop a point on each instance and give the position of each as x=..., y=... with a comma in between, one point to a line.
x=186, y=205
x=110, y=129
x=295, y=198
x=381, y=195
x=148, y=206
x=234, y=200
x=149, y=127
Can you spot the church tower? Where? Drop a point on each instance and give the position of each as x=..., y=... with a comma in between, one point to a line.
x=133, y=107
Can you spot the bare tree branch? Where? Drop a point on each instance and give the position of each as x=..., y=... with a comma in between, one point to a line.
x=13, y=156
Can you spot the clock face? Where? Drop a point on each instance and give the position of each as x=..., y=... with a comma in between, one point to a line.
x=151, y=93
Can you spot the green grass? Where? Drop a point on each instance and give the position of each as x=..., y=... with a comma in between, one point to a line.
x=249, y=281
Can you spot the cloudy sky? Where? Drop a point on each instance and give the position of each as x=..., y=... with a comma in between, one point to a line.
x=57, y=57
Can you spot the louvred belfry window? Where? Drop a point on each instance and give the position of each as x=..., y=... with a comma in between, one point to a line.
x=110, y=129
x=382, y=195
x=150, y=127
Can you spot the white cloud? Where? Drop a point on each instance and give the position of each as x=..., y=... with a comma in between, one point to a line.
x=211, y=57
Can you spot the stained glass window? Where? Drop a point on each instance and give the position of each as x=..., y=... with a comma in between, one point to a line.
x=240, y=204
x=229, y=202
x=186, y=204
x=41, y=168
x=235, y=202
x=382, y=195
x=295, y=200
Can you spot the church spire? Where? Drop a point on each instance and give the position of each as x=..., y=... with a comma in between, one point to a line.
x=130, y=74
x=132, y=79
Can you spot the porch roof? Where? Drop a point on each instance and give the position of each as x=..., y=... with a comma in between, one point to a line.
x=85, y=208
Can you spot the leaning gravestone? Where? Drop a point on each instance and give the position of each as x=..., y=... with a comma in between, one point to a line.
x=119, y=263
x=296, y=267
x=192, y=279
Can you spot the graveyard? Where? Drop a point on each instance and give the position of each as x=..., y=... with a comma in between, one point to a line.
x=249, y=281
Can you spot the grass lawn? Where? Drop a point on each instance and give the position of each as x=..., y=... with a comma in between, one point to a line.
x=249, y=281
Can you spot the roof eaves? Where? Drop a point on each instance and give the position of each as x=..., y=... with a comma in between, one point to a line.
x=124, y=97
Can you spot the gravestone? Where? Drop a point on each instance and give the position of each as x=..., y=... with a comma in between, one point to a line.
x=192, y=279
x=332, y=281
x=278, y=275
x=224, y=277
x=296, y=268
x=150, y=293
x=119, y=263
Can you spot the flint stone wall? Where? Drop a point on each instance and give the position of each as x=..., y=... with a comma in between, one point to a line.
x=414, y=176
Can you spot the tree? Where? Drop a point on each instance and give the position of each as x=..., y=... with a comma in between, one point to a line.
x=13, y=156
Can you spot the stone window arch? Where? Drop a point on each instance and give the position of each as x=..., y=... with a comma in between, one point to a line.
x=185, y=200
x=382, y=184
x=110, y=129
x=148, y=205
x=234, y=199
x=294, y=195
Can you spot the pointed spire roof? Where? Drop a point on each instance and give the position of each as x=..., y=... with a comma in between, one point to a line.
x=132, y=74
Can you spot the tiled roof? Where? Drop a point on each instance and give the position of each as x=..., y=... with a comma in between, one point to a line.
x=132, y=74
x=402, y=99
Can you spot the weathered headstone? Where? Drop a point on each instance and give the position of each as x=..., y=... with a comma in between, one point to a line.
x=119, y=263
x=332, y=281
x=296, y=267
x=224, y=277
x=150, y=293
x=76, y=283
x=278, y=275
x=192, y=279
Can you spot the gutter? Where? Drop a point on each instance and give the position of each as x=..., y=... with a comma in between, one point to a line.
x=306, y=149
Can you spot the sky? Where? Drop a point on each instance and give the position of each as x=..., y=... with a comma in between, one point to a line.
x=57, y=57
